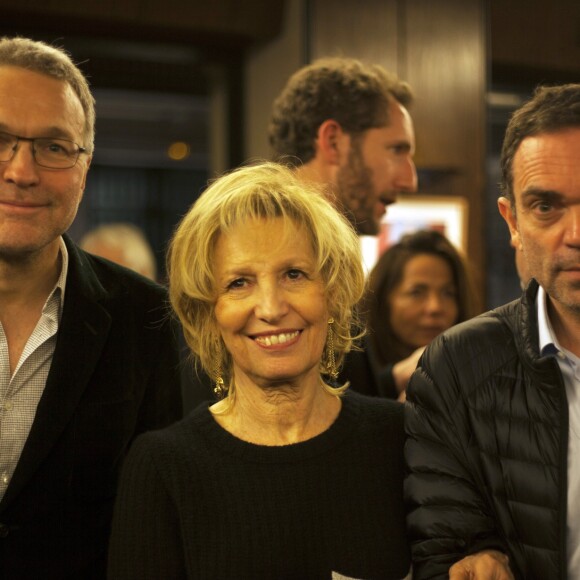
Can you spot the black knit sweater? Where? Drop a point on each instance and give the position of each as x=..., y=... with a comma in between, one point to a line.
x=196, y=502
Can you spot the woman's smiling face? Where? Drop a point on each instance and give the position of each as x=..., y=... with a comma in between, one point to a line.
x=271, y=307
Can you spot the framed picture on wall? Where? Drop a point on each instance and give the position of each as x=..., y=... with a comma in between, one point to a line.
x=446, y=214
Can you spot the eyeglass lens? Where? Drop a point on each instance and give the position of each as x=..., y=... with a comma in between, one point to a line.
x=47, y=152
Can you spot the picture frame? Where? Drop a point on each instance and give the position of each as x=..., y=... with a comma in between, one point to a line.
x=446, y=214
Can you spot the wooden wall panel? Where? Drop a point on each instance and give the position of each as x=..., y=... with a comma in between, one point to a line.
x=446, y=65
x=536, y=34
x=447, y=68
x=367, y=30
x=191, y=21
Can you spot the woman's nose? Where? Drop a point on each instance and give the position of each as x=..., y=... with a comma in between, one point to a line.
x=434, y=302
x=271, y=303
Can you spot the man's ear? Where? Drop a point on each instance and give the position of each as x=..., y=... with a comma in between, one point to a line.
x=329, y=141
x=84, y=181
x=86, y=170
x=505, y=209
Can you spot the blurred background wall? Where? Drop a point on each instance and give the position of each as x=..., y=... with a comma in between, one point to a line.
x=184, y=90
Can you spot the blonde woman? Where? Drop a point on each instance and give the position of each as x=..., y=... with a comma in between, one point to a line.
x=288, y=475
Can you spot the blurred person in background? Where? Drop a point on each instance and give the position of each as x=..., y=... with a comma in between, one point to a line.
x=122, y=243
x=289, y=475
x=127, y=245
x=419, y=287
x=344, y=125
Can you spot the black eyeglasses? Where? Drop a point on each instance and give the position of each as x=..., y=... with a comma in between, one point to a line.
x=46, y=151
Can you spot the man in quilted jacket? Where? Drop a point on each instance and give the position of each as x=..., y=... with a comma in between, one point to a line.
x=493, y=411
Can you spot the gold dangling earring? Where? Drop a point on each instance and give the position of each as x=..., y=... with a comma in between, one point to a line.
x=331, y=364
x=220, y=388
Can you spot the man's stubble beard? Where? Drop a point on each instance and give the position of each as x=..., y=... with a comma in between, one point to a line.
x=563, y=295
x=354, y=187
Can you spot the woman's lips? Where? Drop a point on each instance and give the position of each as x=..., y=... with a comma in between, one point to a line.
x=278, y=338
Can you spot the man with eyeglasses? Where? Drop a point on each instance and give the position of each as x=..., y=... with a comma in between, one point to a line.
x=88, y=358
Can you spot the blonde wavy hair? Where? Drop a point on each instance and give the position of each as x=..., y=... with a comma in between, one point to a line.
x=262, y=191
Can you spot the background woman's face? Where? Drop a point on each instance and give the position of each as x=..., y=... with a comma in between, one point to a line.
x=424, y=303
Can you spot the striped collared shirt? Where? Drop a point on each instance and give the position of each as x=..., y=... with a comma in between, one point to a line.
x=569, y=364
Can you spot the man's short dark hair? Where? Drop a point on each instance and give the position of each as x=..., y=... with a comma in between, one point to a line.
x=551, y=109
x=354, y=94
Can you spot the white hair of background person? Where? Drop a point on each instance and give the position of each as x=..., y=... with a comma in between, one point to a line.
x=124, y=244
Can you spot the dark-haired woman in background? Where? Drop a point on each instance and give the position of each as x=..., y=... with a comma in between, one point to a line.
x=418, y=288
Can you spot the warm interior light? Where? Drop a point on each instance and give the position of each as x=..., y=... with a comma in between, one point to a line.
x=178, y=151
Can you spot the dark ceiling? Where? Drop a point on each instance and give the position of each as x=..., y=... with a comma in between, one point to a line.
x=151, y=66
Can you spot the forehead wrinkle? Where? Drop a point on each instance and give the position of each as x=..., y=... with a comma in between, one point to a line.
x=241, y=260
x=535, y=191
x=249, y=265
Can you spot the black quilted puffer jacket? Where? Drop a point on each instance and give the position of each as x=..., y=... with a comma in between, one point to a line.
x=487, y=437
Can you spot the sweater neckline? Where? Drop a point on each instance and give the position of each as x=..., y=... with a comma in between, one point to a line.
x=217, y=436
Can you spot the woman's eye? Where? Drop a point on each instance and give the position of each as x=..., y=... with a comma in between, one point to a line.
x=295, y=274
x=237, y=283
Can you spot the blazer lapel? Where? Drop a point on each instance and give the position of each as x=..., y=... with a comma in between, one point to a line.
x=83, y=330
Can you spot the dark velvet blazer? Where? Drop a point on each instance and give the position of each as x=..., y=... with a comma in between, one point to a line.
x=114, y=374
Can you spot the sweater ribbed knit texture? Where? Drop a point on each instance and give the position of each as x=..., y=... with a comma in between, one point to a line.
x=197, y=502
